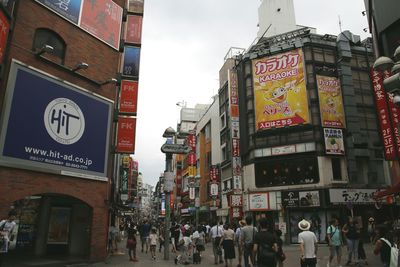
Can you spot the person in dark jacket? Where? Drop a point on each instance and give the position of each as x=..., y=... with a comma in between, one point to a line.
x=351, y=231
x=131, y=242
x=265, y=245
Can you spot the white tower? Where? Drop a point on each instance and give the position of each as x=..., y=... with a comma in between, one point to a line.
x=276, y=17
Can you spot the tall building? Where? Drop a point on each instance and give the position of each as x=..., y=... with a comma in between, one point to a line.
x=59, y=82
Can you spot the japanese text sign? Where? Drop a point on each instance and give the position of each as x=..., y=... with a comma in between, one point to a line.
x=280, y=95
x=334, y=144
x=351, y=195
x=133, y=32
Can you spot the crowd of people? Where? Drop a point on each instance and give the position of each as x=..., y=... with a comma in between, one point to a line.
x=249, y=243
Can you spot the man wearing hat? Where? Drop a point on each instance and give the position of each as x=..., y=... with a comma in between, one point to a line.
x=308, y=245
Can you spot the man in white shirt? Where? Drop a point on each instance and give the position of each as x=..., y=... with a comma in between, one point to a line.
x=308, y=245
x=215, y=234
x=6, y=233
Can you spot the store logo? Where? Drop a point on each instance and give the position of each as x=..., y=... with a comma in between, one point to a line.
x=64, y=121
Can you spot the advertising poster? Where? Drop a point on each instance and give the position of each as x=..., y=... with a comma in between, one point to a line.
x=131, y=63
x=280, y=94
x=334, y=144
x=136, y=6
x=59, y=225
x=383, y=115
x=69, y=10
x=129, y=95
x=133, y=33
x=330, y=102
x=4, y=29
x=352, y=195
x=259, y=202
x=55, y=127
x=103, y=19
x=126, y=135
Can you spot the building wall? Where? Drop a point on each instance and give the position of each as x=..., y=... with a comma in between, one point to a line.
x=80, y=47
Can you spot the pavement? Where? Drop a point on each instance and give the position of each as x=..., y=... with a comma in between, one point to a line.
x=292, y=258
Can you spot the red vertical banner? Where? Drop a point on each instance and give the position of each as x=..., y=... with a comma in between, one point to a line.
x=214, y=174
x=133, y=33
x=394, y=112
x=383, y=115
x=129, y=96
x=4, y=29
x=126, y=135
x=191, y=140
x=191, y=159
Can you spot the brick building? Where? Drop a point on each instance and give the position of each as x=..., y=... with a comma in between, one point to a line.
x=60, y=187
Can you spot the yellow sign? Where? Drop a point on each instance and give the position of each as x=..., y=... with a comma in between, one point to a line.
x=330, y=102
x=192, y=170
x=280, y=93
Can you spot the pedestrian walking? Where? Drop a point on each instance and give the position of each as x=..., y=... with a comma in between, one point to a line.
x=238, y=231
x=308, y=245
x=7, y=235
x=351, y=231
x=131, y=242
x=362, y=256
x=247, y=235
x=280, y=255
x=144, y=232
x=383, y=245
x=265, y=244
x=371, y=229
x=198, y=239
x=175, y=233
x=227, y=242
x=153, y=238
x=335, y=242
x=112, y=239
x=216, y=233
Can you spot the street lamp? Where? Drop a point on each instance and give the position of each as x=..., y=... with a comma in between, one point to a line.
x=168, y=133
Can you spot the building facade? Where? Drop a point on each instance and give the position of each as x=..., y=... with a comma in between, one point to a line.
x=58, y=96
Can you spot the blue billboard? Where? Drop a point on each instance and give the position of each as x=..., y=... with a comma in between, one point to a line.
x=131, y=61
x=67, y=9
x=53, y=126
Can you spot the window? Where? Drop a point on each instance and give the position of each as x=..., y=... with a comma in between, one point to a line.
x=336, y=169
x=207, y=132
x=223, y=153
x=48, y=37
x=222, y=119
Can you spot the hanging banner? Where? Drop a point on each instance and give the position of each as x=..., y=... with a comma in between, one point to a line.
x=334, y=144
x=192, y=193
x=214, y=189
x=280, y=95
x=383, y=115
x=128, y=98
x=330, y=102
x=126, y=135
x=133, y=33
x=394, y=113
x=214, y=173
x=191, y=141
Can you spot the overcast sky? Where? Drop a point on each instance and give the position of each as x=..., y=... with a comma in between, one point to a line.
x=184, y=43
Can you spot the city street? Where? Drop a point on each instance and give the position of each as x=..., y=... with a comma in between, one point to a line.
x=292, y=253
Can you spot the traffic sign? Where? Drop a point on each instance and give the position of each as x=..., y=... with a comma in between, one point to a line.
x=175, y=148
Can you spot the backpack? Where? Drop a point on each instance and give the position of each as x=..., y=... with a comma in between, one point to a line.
x=331, y=234
x=394, y=253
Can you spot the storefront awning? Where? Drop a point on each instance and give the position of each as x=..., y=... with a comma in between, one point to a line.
x=389, y=191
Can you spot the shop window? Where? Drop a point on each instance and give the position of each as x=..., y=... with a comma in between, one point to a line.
x=336, y=169
x=48, y=37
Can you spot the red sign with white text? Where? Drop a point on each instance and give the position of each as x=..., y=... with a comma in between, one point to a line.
x=191, y=141
x=133, y=32
x=383, y=115
x=214, y=174
x=191, y=159
x=126, y=135
x=129, y=95
x=394, y=112
x=4, y=28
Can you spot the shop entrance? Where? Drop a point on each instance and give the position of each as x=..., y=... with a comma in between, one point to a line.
x=51, y=226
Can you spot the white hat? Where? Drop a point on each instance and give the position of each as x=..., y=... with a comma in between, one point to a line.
x=304, y=225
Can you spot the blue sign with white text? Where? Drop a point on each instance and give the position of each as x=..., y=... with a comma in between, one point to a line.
x=55, y=126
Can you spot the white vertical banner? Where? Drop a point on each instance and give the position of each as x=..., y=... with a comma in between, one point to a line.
x=192, y=193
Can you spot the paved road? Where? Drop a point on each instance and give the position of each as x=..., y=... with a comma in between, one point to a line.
x=292, y=252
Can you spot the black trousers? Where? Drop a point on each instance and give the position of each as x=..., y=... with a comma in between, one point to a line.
x=308, y=262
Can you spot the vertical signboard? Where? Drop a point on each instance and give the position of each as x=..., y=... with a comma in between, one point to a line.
x=126, y=131
x=330, y=102
x=394, y=112
x=4, y=29
x=128, y=97
x=383, y=115
x=133, y=33
x=235, y=131
x=280, y=95
x=334, y=144
x=51, y=126
x=130, y=66
x=135, y=6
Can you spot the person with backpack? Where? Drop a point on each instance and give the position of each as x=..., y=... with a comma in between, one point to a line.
x=265, y=244
x=247, y=235
x=334, y=240
x=386, y=248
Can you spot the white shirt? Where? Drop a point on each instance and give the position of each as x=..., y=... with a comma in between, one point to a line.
x=214, y=231
x=309, y=240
